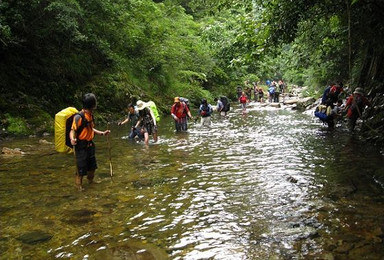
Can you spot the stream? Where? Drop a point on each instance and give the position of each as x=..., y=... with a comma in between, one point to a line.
x=267, y=184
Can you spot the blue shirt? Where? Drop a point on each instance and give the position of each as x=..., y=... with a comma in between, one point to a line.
x=205, y=110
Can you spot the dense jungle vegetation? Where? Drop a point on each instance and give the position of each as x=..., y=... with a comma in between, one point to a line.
x=54, y=51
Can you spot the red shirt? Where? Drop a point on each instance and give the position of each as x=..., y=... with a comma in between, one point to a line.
x=350, y=102
x=243, y=99
x=180, y=109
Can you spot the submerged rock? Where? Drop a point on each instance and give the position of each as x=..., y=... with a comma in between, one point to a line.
x=42, y=141
x=34, y=237
x=9, y=151
x=79, y=217
x=132, y=250
x=276, y=105
x=291, y=179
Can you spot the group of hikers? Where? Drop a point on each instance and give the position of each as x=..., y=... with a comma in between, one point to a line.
x=258, y=92
x=144, y=121
x=332, y=108
x=275, y=88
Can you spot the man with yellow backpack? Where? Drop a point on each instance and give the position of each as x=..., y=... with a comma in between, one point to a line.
x=81, y=137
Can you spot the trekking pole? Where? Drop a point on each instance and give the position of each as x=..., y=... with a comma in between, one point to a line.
x=109, y=154
x=74, y=157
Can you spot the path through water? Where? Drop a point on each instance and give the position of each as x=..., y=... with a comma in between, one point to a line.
x=268, y=184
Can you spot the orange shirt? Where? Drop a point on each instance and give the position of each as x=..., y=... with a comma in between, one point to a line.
x=87, y=133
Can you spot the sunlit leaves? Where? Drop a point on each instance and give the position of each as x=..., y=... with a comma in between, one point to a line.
x=67, y=15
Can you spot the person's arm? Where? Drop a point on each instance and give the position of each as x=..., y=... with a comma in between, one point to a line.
x=348, y=104
x=72, y=133
x=138, y=123
x=153, y=116
x=72, y=136
x=173, y=109
x=124, y=122
x=188, y=111
x=98, y=132
x=220, y=106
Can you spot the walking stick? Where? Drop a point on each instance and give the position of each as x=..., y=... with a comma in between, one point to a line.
x=78, y=182
x=74, y=157
x=109, y=154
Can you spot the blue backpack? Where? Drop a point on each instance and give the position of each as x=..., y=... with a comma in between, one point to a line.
x=323, y=112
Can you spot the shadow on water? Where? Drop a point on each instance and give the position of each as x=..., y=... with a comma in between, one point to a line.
x=266, y=184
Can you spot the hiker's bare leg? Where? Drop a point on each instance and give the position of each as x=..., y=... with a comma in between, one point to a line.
x=90, y=176
x=79, y=182
x=154, y=137
x=146, y=138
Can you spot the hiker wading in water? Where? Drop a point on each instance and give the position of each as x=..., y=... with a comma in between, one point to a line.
x=146, y=122
x=81, y=135
x=355, y=106
x=133, y=116
x=205, y=111
x=179, y=113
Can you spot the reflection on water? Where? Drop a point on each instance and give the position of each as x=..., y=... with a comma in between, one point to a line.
x=268, y=184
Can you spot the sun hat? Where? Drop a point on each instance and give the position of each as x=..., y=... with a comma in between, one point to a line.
x=140, y=105
x=358, y=91
x=177, y=99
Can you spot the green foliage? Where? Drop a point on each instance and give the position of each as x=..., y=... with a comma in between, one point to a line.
x=316, y=57
x=23, y=116
x=16, y=125
x=54, y=51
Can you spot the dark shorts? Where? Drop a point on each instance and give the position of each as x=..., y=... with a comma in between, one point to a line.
x=86, y=160
x=150, y=129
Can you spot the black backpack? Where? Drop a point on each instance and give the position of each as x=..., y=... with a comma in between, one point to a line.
x=357, y=105
x=226, y=103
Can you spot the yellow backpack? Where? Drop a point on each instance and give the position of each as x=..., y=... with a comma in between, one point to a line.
x=63, y=123
x=324, y=109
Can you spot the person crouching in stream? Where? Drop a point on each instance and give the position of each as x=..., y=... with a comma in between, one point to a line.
x=146, y=122
x=82, y=133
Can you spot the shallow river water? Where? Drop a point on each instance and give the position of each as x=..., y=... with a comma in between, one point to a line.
x=268, y=184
